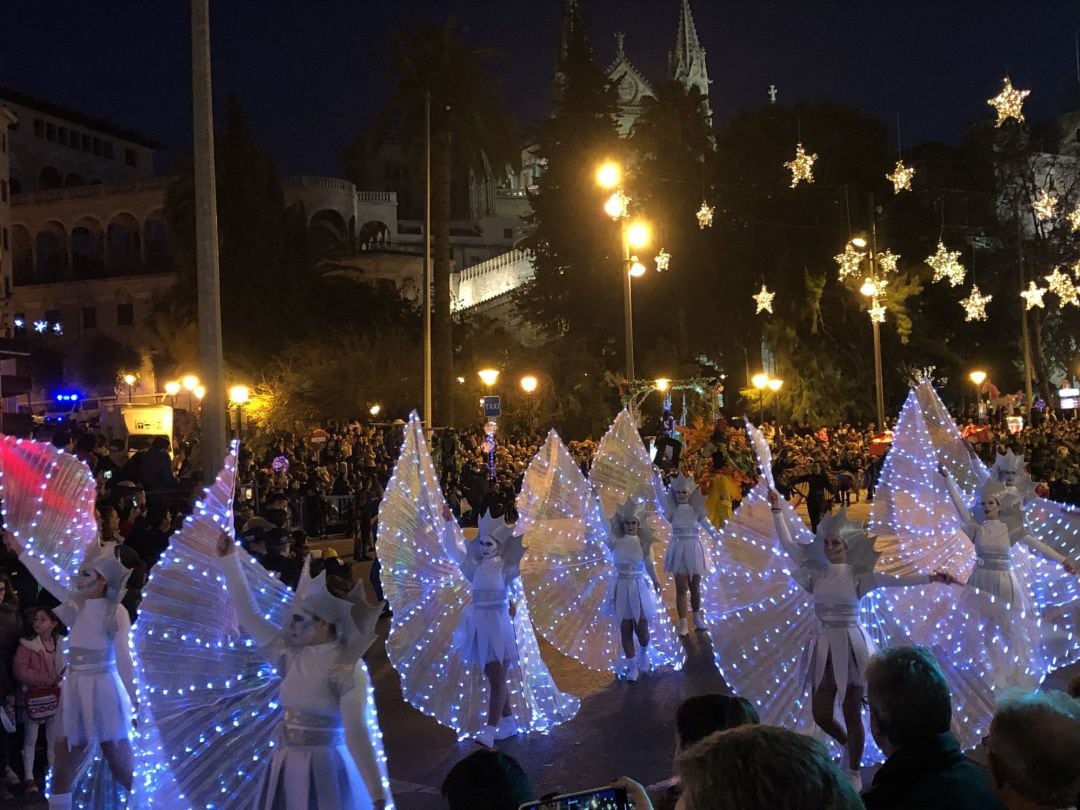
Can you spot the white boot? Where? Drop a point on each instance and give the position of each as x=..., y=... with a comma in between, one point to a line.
x=699, y=621
x=486, y=736
x=643, y=663
x=683, y=629
x=506, y=729
x=60, y=801
x=631, y=670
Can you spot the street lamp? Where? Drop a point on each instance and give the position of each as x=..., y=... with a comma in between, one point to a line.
x=663, y=384
x=239, y=395
x=130, y=380
x=608, y=174
x=774, y=384
x=529, y=384
x=760, y=381
x=375, y=409
x=978, y=377
x=189, y=382
x=488, y=376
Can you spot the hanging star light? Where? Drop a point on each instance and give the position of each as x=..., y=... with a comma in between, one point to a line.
x=946, y=265
x=849, y=261
x=1045, y=205
x=886, y=261
x=900, y=177
x=1059, y=283
x=663, y=260
x=1009, y=103
x=877, y=312
x=1074, y=219
x=764, y=300
x=1033, y=296
x=975, y=304
x=801, y=166
x=705, y=215
x=1075, y=269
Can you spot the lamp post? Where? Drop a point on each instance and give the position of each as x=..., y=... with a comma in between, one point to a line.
x=130, y=380
x=375, y=410
x=760, y=381
x=978, y=377
x=239, y=395
x=872, y=288
x=172, y=388
x=634, y=236
x=189, y=382
x=529, y=384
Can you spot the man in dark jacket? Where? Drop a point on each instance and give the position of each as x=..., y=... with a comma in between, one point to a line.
x=910, y=713
x=157, y=467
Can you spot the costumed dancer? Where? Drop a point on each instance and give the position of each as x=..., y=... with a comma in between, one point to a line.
x=590, y=582
x=1012, y=624
x=813, y=624
x=258, y=697
x=687, y=557
x=461, y=638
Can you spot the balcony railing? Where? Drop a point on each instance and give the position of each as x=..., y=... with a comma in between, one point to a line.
x=88, y=192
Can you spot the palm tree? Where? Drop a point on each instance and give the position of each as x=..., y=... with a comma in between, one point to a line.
x=472, y=139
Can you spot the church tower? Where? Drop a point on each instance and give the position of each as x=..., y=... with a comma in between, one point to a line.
x=686, y=61
x=570, y=23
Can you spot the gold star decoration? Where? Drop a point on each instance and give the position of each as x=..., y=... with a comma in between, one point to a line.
x=663, y=259
x=886, y=261
x=1076, y=269
x=1074, y=219
x=705, y=215
x=1009, y=103
x=849, y=261
x=801, y=166
x=1045, y=205
x=877, y=312
x=1061, y=285
x=975, y=304
x=900, y=177
x=1033, y=296
x=946, y=265
x=764, y=300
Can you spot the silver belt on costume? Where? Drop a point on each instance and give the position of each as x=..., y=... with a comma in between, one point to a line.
x=308, y=730
x=82, y=659
x=833, y=614
x=684, y=532
x=489, y=598
x=630, y=570
x=993, y=561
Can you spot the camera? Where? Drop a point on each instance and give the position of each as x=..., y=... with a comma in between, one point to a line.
x=604, y=798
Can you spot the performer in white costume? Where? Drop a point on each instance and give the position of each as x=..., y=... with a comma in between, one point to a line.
x=48, y=499
x=687, y=557
x=465, y=657
x=836, y=654
x=591, y=582
x=257, y=697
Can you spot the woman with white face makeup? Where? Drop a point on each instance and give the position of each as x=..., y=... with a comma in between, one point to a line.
x=837, y=570
x=485, y=634
x=99, y=689
x=687, y=557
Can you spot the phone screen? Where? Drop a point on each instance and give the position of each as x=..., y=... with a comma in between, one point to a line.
x=108, y=474
x=605, y=798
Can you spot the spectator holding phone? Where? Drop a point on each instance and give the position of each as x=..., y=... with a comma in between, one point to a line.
x=486, y=779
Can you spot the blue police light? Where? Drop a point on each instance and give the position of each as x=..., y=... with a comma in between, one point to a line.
x=67, y=397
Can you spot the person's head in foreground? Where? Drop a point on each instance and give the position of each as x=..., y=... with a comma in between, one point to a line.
x=1034, y=751
x=486, y=779
x=762, y=768
x=908, y=696
x=701, y=715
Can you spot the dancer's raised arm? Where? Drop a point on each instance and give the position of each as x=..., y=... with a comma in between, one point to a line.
x=258, y=627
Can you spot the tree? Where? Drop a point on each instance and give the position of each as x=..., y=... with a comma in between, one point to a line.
x=472, y=136
x=576, y=291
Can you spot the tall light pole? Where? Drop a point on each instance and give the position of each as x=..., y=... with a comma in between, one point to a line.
x=239, y=395
x=206, y=238
x=873, y=288
x=529, y=384
x=129, y=381
x=427, y=260
x=760, y=381
x=978, y=377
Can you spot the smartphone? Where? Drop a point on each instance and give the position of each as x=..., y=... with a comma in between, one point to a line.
x=108, y=474
x=604, y=798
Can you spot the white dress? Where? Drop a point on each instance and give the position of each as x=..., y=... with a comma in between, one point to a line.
x=99, y=683
x=687, y=553
x=324, y=757
x=485, y=633
x=630, y=594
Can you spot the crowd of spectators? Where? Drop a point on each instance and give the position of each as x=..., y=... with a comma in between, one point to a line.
x=726, y=760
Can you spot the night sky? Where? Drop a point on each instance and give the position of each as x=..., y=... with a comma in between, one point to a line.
x=311, y=74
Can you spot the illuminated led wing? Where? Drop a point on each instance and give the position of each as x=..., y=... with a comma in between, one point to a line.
x=48, y=503
x=762, y=453
x=950, y=448
x=207, y=695
x=427, y=592
x=759, y=644
x=568, y=569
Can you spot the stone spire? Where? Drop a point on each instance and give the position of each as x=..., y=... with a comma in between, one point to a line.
x=570, y=21
x=686, y=61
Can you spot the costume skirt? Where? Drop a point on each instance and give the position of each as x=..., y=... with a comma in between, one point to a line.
x=847, y=649
x=686, y=554
x=485, y=633
x=312, y=777
x=94, y=705
x=630, y=598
